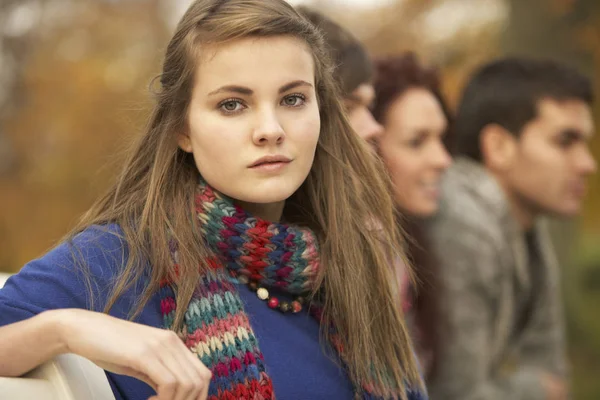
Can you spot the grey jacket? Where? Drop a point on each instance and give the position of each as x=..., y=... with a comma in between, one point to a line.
x=488, y=351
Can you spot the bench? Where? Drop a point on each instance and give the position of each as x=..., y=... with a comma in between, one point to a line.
x=66, y=377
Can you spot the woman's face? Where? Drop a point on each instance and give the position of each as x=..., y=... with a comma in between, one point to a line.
x=254, y=119
x=412, y=149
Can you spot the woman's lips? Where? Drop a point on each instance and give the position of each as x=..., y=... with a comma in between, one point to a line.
x=271, y=166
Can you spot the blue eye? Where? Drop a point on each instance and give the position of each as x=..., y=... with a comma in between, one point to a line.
x=294, y=100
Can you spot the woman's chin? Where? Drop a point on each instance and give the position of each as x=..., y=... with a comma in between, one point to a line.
x=266, y=192
x=424, y=209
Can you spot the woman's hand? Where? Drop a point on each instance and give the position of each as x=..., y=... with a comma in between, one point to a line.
x=155, y=356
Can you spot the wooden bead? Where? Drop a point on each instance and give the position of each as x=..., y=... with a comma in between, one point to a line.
x=273, y=302
x=296, y=306
x=284, y=306
x=262, y=293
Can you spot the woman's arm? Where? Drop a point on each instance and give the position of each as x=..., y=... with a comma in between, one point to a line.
x=46, y=309
x=155, y=356
x=26, y=344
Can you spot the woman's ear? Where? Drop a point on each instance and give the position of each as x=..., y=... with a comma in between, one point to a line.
x=498, y=147
x=184, y=142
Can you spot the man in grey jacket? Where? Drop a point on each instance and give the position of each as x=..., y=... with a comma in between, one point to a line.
x=521, y=140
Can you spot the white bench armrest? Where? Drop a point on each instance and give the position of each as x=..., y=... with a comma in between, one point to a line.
x=66, y=377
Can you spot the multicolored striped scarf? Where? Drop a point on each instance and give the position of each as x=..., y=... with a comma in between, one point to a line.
x=216, y=327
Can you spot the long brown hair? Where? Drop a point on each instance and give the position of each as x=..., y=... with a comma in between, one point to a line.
x=154, y=197
x=394, y=76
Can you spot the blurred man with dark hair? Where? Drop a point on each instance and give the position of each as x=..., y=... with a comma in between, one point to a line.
x=353, y=72
x=521, y=145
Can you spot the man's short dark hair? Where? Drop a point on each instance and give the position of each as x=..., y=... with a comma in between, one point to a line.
x=506, y=92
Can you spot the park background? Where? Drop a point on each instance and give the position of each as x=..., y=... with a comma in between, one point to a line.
x=74, y=90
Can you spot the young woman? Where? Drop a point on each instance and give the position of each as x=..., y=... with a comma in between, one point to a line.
x=233, y=240
x=415, y=117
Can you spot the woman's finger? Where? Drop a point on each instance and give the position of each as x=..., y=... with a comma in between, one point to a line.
x=163, y=378
x=204, y=392
x=201, y=372
x=174, y=356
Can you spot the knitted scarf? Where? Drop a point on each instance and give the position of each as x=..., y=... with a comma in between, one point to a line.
x=216, y=327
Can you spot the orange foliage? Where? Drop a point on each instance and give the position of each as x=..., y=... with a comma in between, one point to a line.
x=84, y=99
x=85, y=96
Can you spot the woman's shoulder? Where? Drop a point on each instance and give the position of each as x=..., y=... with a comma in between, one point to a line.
x=98, y=249
x=97, y=243
x=105, y=237
x=69, y=275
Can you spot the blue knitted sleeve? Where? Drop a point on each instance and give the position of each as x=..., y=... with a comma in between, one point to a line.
x=60, y=280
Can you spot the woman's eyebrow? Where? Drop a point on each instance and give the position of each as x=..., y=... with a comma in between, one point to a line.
x=293, y=85
x=232, y=88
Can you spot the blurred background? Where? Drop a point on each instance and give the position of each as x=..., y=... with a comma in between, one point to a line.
x=74, y=89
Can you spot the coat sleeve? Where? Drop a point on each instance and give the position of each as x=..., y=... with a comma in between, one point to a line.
x=469, y=267
x=543, y=341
